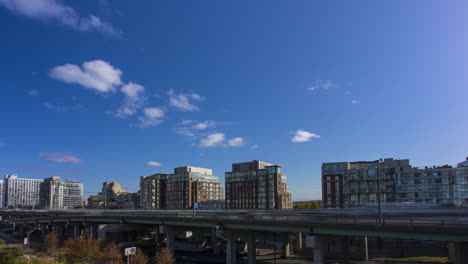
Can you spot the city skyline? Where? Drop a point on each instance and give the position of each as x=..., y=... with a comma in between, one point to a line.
x=110, y=91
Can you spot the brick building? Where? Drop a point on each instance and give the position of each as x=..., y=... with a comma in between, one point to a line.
x=180, y=190
x=257, y=185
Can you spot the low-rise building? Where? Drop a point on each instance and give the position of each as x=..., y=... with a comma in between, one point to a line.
x=347, y=184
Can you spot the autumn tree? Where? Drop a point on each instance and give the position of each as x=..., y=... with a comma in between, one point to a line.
x=164, y=257
x=81, y=250
x=139, y=257
x=112, y=254
x=50, y=242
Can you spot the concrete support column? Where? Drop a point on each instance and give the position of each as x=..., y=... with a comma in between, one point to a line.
x=59, y=231
x=231, y=249
x=319, y=250
x=215, y=242
x=364, y=248
x=299, y=241
x=169, y=237
x=76, y=231
x=285, y=245
x=93, y=232
x=458, y=252
x=43, y=230
x=251, y=248
x=345, y=248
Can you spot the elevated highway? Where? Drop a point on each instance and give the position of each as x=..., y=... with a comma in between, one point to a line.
x=449, y=225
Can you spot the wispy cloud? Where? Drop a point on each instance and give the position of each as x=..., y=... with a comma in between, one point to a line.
x=62, y=108
x=98, y=75
x=321, y=85
x=193, y=128
x=254, y=147
x=153, y=164
x=303, y=136
x=43, y=169
x=152, y=117
x=355, y=102
x=56, y=12
x=219, y=140
x=134, y=100
x=3, y=144
x=184, y=102
x=33, y=92
x=60, y=157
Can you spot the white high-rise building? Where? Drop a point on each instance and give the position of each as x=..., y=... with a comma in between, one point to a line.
x=2, y=193
x=20, y=192
x=56, y=193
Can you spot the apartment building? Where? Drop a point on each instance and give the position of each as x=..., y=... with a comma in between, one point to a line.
x=347, y=184
x=180, y=190
x=20, y=192
x=153, y=191
x=257, y=185
x=56, y=193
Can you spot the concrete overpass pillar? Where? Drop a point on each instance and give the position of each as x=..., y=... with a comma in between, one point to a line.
x=345, y=248
x=299, y=241
x=231, y=249
x=319, y=250
x=251, y=248
x=59, y=231
x=43, y=230
x=285, y=245
x=169, y=237
x=215, y=242
x=458, y=252
x=364, y=248
x=94, y=231
x=76, y=231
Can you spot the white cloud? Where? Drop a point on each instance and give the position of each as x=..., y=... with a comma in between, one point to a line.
x=325, y=85
x=33, y=92
x=213, y=140
x=152, y=117
x=97, y=75
x=59, y=157
x=303, y=136
x=193, y=128
x=254, y=147
x=355, y=101
x=55, y=11
x=134, y=100
x=236, y=142
x=184, y=102
x=153, y=164
x=219, y=140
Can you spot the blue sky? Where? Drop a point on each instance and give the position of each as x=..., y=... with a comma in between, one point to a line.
x=95, y=90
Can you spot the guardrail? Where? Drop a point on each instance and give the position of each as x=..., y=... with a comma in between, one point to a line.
x=277, y=218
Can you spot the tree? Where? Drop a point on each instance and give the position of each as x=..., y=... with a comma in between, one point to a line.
x=112, y=254
x=139, y=258
x=164, y=257
x=81, y=250
x=50, y=242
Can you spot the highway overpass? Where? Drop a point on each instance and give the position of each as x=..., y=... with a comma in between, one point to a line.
x=448, y=225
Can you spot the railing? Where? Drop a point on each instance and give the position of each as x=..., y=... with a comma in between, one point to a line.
x=281, y=218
